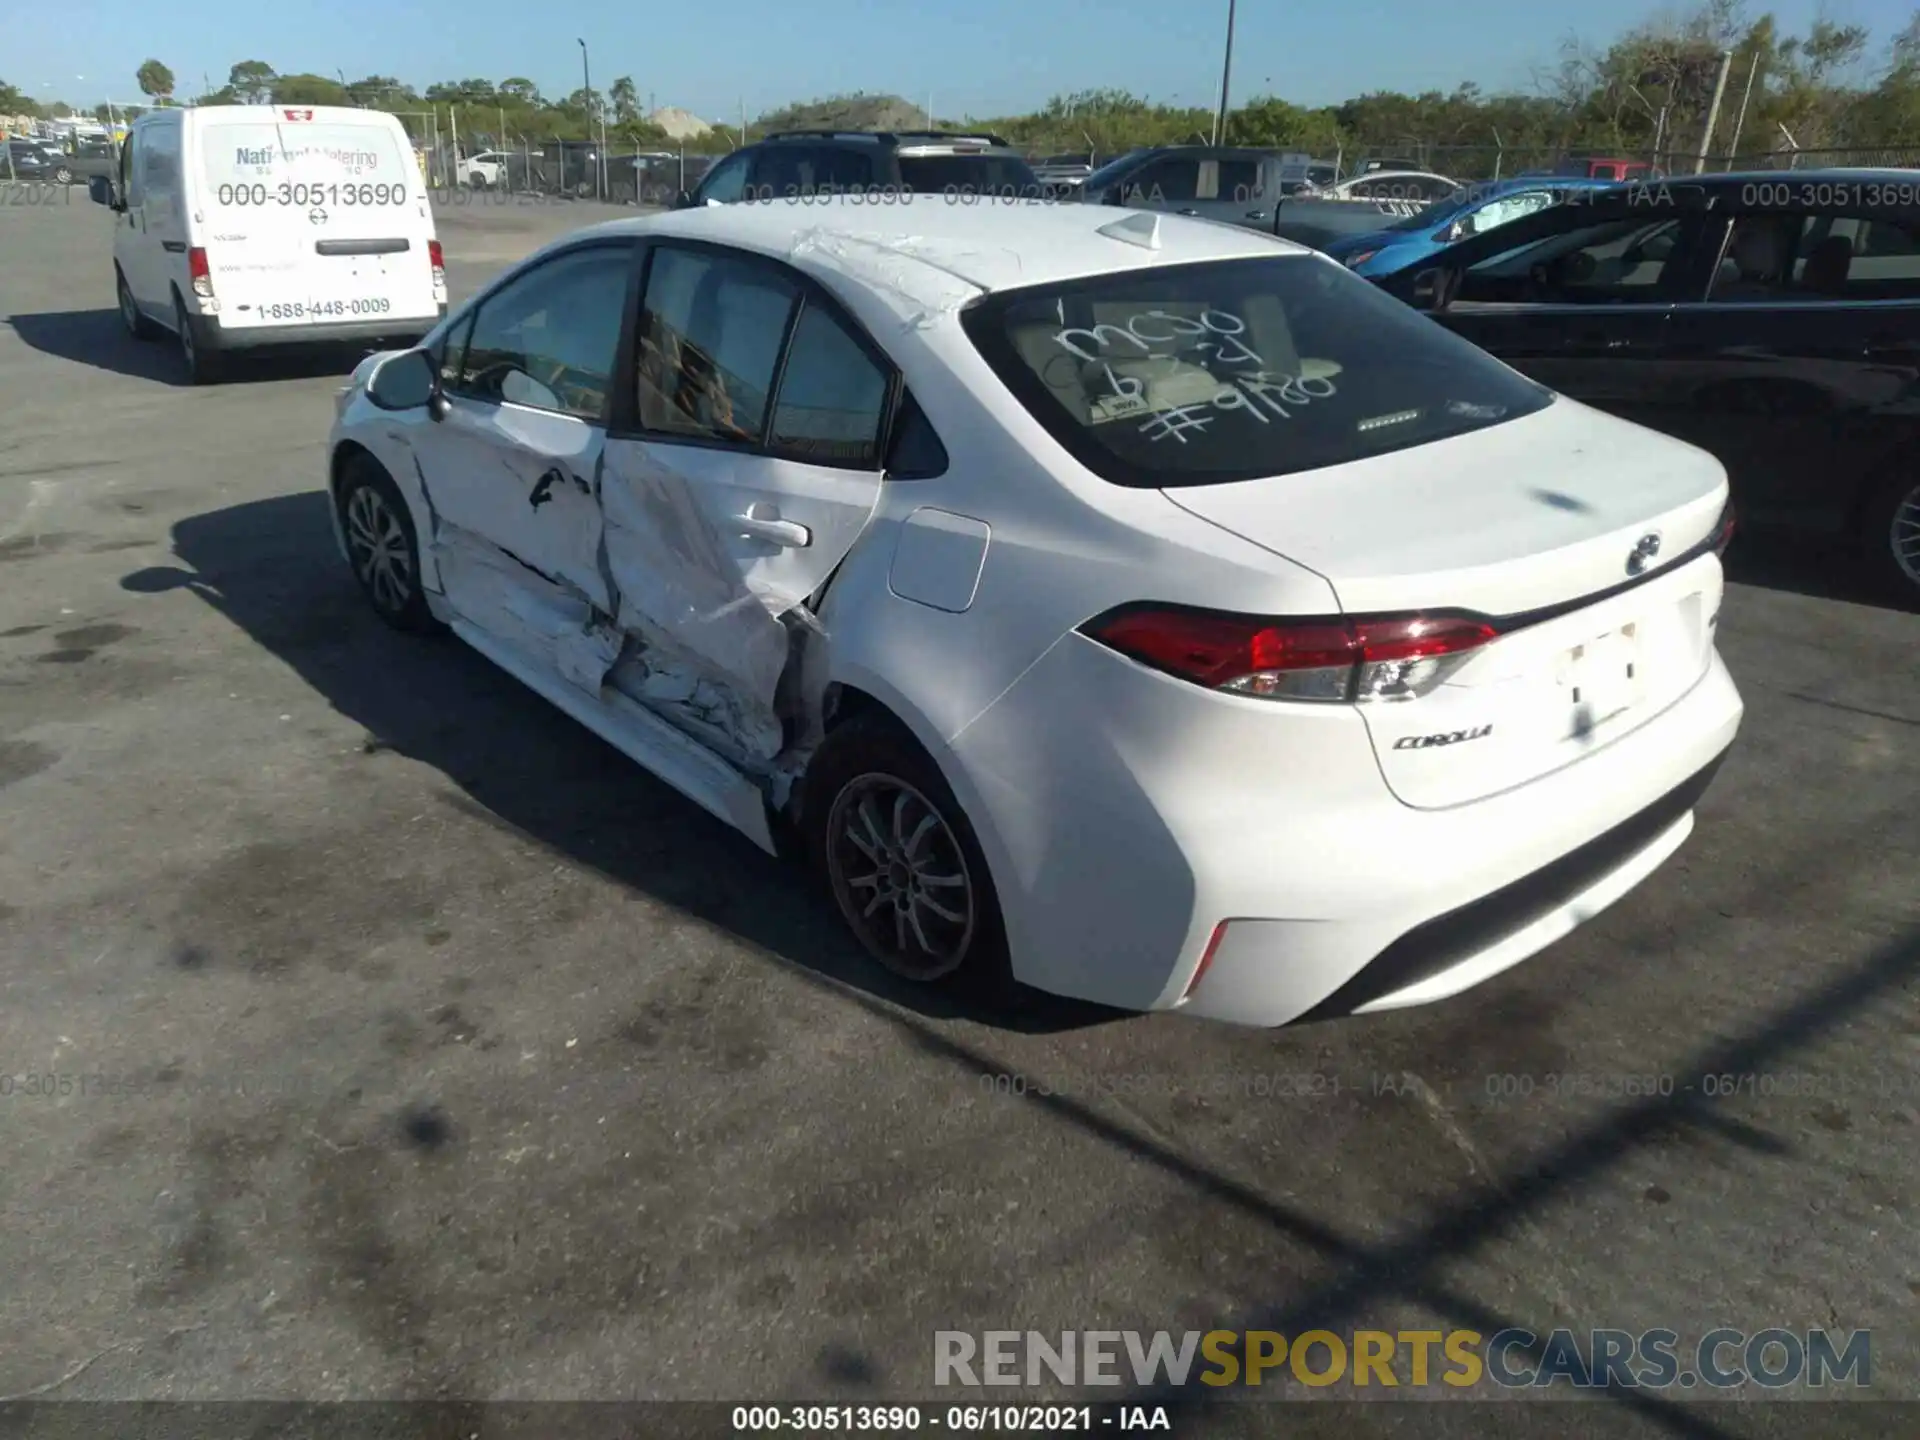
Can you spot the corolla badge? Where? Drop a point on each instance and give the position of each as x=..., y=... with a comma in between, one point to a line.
x=1644, y=549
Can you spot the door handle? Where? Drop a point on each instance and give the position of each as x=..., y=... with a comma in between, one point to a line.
x=777, y=532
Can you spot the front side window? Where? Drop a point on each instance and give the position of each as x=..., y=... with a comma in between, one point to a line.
x=711, y=330
x=1506, y=210
x=547, y=340
x=727, y=181
x=1623, y=259
x=1237, y=370
x=132, y=163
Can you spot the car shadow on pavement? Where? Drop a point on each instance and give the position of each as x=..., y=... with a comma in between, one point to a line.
x=514, y=760
x=99, y=338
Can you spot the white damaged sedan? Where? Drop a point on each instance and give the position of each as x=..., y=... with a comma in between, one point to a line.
x=1124, y=604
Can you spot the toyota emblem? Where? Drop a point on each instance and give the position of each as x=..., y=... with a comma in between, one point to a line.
x=1644, y=550
x=318, y=217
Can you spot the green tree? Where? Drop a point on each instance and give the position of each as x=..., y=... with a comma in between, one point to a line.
x=16, y=102
x=252, y=81
x=309, y=90
x=155, y=81
x=520, y=91
x=626, y=106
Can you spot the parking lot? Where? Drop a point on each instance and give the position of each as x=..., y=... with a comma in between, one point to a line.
x=436, y=1050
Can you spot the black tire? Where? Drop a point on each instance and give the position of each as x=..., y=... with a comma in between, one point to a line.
x=374, y=514
x=131, y=315
x=203, y=366
x=1891, y=533
x=872, y=759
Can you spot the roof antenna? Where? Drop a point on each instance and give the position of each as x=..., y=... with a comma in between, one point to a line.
x=1141, y=228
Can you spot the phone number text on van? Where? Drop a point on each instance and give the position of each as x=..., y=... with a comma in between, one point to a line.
x=307, y=195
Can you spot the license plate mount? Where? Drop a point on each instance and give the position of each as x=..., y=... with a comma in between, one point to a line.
x=1603, y=676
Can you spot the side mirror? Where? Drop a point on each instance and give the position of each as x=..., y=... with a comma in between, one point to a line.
x=1433, y=289
x=683, y=201
x=408, y=381
x=100, y=190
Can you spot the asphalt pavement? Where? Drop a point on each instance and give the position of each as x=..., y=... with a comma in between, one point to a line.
x=420, y=1045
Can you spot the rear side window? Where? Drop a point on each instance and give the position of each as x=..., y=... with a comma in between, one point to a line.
x=967, y=175
x=832, y=396
x=711, y=331
x=785, y=170
x=1237, y=370
x=253, y=165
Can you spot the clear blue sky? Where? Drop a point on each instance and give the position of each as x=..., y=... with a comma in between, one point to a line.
x=980, y=57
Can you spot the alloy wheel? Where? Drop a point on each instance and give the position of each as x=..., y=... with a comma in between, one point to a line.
x=1904, y=535
x=378, y=544
x=900, y=877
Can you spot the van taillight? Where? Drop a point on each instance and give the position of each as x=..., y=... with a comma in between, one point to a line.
x=1341, y=660
x=202, y=276
x=438, y=260
x=1723, y=530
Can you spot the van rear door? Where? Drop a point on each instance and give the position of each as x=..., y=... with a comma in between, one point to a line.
x=314, y=218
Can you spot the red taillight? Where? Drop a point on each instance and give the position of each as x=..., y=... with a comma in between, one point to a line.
x=1379, y=657
x=438, y=260
x=1206, y=959
x=201, y=275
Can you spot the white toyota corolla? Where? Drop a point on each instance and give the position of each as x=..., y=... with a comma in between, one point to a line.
x=1134, y=605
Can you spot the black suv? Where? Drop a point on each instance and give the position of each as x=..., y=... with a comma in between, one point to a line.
x=1771, y=318
x=26, y=160
x=795, y=163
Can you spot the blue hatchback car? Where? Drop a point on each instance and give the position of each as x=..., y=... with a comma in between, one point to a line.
x=1473, y=210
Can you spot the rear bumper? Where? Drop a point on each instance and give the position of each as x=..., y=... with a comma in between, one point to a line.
x=1117, y=848
x=211, y=335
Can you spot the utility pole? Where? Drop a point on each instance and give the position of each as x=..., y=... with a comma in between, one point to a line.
x=586, y=99
x=1226, y=81
x=1713, y=111
x=1740, y=121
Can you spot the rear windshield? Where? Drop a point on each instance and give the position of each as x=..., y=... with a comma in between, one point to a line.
x=255, y=164
x=968, y=174
x=1234, y=370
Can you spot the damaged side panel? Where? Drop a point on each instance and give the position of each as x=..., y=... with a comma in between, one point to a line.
x=671, y=578
x=712, y=555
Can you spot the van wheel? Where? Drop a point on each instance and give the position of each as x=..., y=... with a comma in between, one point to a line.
x=203, y=367
x=1892, y=535
x=382, y=546
x=901, y=860
x=62, y=175
x=138, y=325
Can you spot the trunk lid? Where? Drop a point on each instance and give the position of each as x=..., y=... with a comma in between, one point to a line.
x=1532, y=524
x=1511, y=518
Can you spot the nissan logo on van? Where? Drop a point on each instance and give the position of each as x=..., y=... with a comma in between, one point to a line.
x=1432, y=742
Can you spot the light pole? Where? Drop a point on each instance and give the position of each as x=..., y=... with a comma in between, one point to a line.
x=1226, y=81
x=586, y=85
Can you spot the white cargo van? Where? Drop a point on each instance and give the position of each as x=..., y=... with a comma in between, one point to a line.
x=245, y=226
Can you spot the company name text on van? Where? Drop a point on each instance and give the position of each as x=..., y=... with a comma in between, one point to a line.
x=267, y=155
